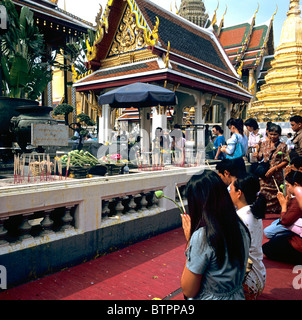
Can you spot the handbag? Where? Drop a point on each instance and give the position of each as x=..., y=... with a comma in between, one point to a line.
x=263, y=167
x=238, y=152
x=296, y=227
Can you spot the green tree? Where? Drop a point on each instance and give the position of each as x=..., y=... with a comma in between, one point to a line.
x=25, y=65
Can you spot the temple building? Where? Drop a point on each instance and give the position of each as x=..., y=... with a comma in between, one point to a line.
x=280, y=96
x=138, y=40
x=247, y=45
x=250, y=47
x=59, y=27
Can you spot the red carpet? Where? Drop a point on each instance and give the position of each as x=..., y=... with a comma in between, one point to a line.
x=144, y=271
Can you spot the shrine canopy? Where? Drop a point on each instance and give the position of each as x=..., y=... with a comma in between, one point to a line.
x=138, y=95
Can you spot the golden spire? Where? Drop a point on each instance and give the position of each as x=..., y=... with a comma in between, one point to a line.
x=274, y=13
x=177, y=10
x=214, y=20
x=292, y=28
x=283, y=82
x=222, y=21
x=256, y=11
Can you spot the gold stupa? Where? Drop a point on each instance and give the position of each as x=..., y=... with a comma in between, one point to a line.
x=281, y=95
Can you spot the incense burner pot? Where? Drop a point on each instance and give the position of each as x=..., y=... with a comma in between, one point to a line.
x=21, y=124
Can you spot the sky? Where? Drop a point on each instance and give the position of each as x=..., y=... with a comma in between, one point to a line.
x=237, y=11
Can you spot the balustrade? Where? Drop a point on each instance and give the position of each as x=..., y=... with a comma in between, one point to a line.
x=33, y=225
x=143, y=202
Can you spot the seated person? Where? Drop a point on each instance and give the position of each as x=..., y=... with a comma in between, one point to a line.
x=251, y=208
x=287, y=203
x=287, y=248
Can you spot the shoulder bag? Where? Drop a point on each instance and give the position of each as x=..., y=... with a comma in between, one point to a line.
x=239, y=150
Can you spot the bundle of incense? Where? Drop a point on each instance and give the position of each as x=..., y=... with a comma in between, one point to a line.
x=139, y=160
x=67, y=168
x=29, y=167
x=42, y=166
x=23, y=167
x=60, y=169
x=179, y=196
x=55, y=169
x=15, y=169
x=148, y=160
x=48, y=167
x=39, y=166
x=18, y=169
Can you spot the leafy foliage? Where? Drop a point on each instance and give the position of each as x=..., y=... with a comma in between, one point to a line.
x=86, y=119
x=63, y=109
x=25, y=65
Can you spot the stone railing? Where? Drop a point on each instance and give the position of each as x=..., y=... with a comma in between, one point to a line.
x=45, y=227
x=39, y=213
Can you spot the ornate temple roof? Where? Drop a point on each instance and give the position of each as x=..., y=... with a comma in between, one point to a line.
x=49, y=11
x=140, y=41
x=248, y=42
x=280, y=97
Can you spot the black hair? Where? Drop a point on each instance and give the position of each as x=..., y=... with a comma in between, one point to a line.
x=297, y=119
x=251, y=123
x=218, y=128
x=297, y=162
x=250, y=187
x=268, y=125
x=294, y=177
x=275, y=128
x=228, y=165
x=237, y=123
x=210, y=206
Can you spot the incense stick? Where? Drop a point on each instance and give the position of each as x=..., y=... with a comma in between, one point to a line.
x=276, y=184
x=207, y=161
x=67, y=169
x=179, y=196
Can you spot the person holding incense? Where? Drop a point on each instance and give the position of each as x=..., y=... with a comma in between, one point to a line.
x=287, y=247
x=218, y=242
x=251, y=207
x=275, y=152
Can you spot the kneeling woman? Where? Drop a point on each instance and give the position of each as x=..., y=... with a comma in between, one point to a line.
x=287, y=248
x=251, y=209
x=218, y=242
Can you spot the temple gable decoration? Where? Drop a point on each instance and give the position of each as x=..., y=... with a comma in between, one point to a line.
x=137, y=40
x=131, y=34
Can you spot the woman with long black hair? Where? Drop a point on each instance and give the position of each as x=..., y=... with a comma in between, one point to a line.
x=251, y=207
x=218, y=242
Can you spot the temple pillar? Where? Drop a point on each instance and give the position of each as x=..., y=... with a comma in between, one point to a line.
x=200, y=101
x=105, y=124
x=145, y=128
x=179, y=115
x=200, y=133
x=159, y=119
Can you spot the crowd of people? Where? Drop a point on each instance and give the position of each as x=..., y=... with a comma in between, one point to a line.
x=224, y=228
